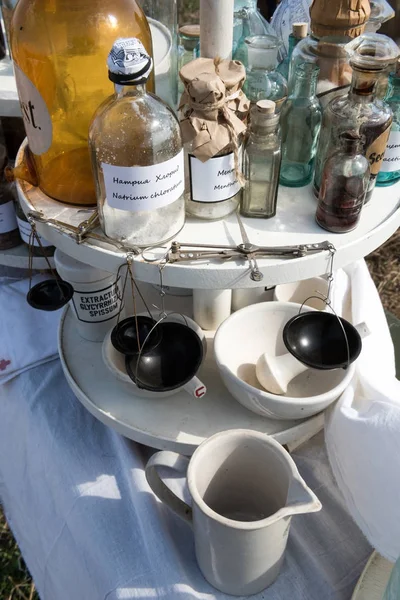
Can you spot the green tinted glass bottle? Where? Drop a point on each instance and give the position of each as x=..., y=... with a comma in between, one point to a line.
x=301, y=117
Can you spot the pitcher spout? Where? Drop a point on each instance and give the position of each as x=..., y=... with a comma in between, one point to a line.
x=300, y=499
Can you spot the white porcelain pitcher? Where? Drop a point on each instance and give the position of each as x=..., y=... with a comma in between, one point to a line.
x=245, y=488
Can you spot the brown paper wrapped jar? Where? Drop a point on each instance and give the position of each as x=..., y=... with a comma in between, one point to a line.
x=339, y=17
x=213, y=114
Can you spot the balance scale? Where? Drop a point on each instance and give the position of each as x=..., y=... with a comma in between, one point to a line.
x=181, y=423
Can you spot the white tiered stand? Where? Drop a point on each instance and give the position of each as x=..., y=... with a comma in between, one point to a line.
x=179, y=422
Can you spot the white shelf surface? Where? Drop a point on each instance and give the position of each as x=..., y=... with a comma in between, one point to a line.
x=294, y=224
x=179, y=422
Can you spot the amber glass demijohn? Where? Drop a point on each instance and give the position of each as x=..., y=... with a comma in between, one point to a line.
x=59, y=48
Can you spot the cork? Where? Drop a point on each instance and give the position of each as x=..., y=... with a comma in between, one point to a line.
x=190, y=30
x=339, y=17
x=299, y=30
x=266, y=107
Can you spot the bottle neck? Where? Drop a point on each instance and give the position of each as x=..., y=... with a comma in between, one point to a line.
x=293, y=41
x=363, y=85
x=305, y=85
x=122, y=90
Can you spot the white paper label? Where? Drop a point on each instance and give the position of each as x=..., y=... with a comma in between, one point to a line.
x=98, y=305
x=391, y=159
x=8, y=220
x=25, y=232
x=213, y=180
x=35, y=113
x=144, y=188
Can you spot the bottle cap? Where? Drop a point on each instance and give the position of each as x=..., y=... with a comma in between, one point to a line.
x=190, y=31
x=299, y=30
x=266, y=107
x=129, y=61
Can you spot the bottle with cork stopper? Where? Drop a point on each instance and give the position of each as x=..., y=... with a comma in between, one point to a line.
x=261, y=162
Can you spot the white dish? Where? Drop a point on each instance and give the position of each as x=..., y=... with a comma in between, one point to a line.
x=178, y=423
x=115, y=361
x=244, y=337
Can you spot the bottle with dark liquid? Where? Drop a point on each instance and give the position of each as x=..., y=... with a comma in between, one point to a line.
x=360, y=109
x=344, y=185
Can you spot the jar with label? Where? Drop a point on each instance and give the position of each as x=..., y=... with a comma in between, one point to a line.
x=344, y=185
x=137, y=155
x=213, y=111
x=390, y=169
x=360, y=110
x=58, y=49
x=97, y=299
x=9, y=233
x=46, y=249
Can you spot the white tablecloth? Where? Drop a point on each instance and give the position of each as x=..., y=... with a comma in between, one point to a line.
x=90, y=529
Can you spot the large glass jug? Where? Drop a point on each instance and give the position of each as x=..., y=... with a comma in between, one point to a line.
x=60, y=49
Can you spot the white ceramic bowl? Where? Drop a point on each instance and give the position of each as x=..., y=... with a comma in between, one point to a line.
x=115, y=361
x=238, y=344
x=299, y=291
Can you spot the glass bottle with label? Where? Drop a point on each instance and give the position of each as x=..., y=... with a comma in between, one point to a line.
x=261, y=161
x=137, y=155
x=344, y=185
x=300, y=123
x=299, y=32
x=45, y=249
x=263, y=81
x=390, y=169
x=360, y=110
x=59, y=49
x=213, y=114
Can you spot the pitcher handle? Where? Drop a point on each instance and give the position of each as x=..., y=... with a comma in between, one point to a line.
x=177, y=462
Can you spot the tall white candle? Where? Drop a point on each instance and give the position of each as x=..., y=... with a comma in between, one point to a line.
x=216, y=28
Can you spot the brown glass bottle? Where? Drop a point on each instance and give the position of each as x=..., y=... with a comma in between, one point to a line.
x=60, y=48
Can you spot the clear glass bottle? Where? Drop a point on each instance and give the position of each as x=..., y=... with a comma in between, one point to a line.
x=390, y=169
x=299, y=32
x=59, y=48
x=137, y=155
x=189, y=47
x=247, y=21
x=301, y=118
x=263, y=81
x=360, y=110
x=344, y=185
x=261, y=161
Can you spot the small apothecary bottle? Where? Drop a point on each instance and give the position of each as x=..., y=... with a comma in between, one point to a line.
x=344, y=185
x=390, y=169
x=213, y=110
x=299, y=32
x=360, y=109
x=137, y=155
x=301, y=118
x=261, y=161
